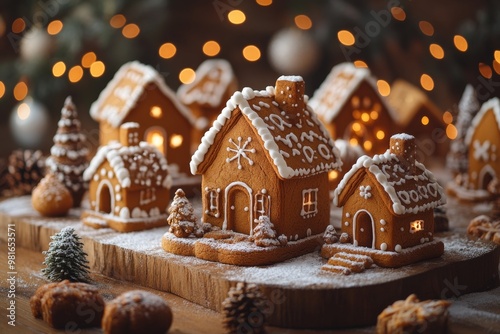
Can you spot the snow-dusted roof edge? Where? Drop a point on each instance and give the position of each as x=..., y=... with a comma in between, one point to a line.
x=150, y=76
x=493, y=104
x=239, y=99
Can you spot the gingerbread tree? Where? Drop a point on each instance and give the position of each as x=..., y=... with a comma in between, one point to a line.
x=181, y=219
x=467, y=109
x=68, y=158
x=264, y=234
x=65, y=258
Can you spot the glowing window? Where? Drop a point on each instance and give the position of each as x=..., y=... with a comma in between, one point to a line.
x=356, y=127
x=176, y=141
x=353, y=141
x=417, y=225
x=155, y=112
x=365, y=117
x=374, y=114
x=309, y=202
x=333, y=175
x=355, y=101
x=155, y=138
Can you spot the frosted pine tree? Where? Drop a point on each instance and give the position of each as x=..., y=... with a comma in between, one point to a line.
x=467, y=109
x=65, y=258
x=68, y=158
x=181, y=217
x=264, y=234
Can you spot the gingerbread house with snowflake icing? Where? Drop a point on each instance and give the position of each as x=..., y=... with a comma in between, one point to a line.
x=267, y=154
x=483, y=140
x=138, y=93
x=388, y=200
x=206, y=96
x=129, y=184
x=349, y=104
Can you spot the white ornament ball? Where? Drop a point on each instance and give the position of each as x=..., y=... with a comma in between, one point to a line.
x=36, y=45
x=293, y=51
x=29, y=122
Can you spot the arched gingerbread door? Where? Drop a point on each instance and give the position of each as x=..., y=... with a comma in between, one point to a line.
x=238, y=213
x=105, y=197
x=363, y=229
x=486, y=175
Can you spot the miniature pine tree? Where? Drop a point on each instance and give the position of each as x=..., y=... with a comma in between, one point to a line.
x=467, y=108
x=181, y=217
x=245, y=309
x=68, y=158
x=65, y=258
x=264, y=234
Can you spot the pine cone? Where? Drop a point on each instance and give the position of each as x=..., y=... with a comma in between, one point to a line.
x=25, y=169
x=245, y=309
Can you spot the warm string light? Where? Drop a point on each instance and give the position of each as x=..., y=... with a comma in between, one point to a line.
x=460, y=43
x=303, y=22
x=251, y=53
x=360, y=64
x=398, y=13
x=88, y=59
x=20, y=91
x=426, y=28
x=97, y=69
x=187, y=75
x=436, y=51
x=427, y=82
x=3, y=26
x=54, y=27
x=167, y=50
x=18, y=26
x=58, y=69
x=2, y=89
x=211, y=48
x=117, y=21
x=451, y=131
x=131, y=30
x=75, y=74
x=236, y=16
x=485, y=70
x=346, y=37
x=447, y=117
x=264, y=3
x=383, y=87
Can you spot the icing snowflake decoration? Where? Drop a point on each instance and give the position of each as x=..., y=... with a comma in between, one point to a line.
x=365, y=192
x=240, y=151
x=481, y=150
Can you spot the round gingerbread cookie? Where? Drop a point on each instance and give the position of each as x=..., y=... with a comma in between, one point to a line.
x=135, y=312
x=51, y=198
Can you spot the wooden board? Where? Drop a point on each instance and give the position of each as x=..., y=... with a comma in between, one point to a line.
x=301, y=294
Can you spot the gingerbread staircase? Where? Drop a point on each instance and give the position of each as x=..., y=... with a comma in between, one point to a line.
x=346, y=263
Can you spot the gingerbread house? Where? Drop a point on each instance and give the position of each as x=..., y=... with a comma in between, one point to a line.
x=351, y=107
x=267, y=154
x=417, y=115
x=483, y=140
x=388, y=201
x=138, y=93
x=129, y=184
x=206, y=96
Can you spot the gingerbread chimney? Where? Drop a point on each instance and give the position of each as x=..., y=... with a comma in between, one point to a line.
x=289, y=93
x=129, y=134
x=405, y=148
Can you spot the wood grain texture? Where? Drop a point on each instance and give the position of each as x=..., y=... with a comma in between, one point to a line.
x=325, y=301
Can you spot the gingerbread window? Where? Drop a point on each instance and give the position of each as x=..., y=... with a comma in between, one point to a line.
x=212, y=197
x=262, y=204
x=309, y=202
x=417, y=225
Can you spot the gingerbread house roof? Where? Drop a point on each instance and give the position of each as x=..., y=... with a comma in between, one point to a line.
x=134, y=166
x=407, y=99
x=124, y=91
x=296, y=148
x=214, y=78
x=492, y=104
x=335, y=91
x=409, y=191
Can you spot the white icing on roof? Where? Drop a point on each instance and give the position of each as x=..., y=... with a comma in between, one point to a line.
x=283, y=140
x=125, y=90
x=337, y=88
x=492, y=104
x=141, y=165
x=424, y=192
x=218, y=75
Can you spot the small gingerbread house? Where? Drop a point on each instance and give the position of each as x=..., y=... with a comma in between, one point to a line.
x=138, y=93
x=417, y=115
x=351, y=107
x=483, y=140
x=388, y=200
x=128, y=184
x=206, y=96
x=267, y=154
